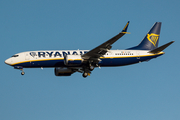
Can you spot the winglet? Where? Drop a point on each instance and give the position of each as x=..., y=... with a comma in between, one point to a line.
x=125, y=29
x=159, y=49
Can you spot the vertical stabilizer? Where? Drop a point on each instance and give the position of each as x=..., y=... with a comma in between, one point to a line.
x=151, y=39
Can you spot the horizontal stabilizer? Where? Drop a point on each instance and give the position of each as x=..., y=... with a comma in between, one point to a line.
x=159, y=49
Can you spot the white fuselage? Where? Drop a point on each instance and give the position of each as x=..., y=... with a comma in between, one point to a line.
x=48, y=58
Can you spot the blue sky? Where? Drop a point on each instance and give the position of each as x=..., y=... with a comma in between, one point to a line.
x=145, y=91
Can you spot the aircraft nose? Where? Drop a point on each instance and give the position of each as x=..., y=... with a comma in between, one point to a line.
x=8, y=61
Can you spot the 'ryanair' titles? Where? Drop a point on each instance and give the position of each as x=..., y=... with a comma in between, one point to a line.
x=56, y=53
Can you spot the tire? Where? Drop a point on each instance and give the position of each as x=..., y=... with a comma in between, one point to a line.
x=22, y=73
x=91, y=68
x=85, y=74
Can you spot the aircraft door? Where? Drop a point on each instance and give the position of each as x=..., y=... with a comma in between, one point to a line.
x=138, y=54
x=110, y=54
x=26, y=56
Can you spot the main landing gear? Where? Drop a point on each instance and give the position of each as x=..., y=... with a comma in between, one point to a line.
x=87, y=70
x=85, y=74
x=91, y=67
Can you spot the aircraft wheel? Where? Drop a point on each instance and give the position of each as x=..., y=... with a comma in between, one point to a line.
x=91, y=68
x=22, y=73
x=85, y=74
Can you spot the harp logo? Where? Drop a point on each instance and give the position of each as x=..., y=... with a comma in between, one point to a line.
x=33, y=54
x=153, y=38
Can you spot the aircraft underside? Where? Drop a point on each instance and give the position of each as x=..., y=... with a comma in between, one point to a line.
x=66, y=70
x=103, y=63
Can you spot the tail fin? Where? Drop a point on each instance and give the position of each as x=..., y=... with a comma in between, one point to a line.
x=151, y=39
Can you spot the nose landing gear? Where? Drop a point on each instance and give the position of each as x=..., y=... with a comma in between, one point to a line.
x=20, y=68
x=22, y=73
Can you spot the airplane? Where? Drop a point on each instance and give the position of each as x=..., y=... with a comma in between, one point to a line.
x=67, y=62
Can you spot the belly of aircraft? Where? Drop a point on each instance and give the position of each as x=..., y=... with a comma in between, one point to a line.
x=105, y=62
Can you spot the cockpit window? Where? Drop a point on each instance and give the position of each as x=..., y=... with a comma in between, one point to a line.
x=15, y=55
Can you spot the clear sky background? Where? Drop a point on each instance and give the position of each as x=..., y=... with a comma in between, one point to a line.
x=145, y=91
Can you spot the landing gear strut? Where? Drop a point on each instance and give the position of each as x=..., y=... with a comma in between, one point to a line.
x=20, y=68
x=22, y=73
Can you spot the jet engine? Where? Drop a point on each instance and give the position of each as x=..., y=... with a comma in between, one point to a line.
x=60, y=71
x=71, y=60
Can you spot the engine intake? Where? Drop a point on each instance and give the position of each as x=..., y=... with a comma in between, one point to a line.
x=73, y=60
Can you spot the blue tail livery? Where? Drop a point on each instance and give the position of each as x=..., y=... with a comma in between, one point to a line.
x=67, y=62
x=151, y=39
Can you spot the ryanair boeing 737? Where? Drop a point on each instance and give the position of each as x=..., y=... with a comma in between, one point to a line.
x=67, y=62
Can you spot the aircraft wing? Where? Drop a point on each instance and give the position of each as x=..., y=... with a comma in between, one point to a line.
x=103, y=48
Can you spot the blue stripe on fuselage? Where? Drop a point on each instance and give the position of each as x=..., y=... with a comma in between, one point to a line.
x=124, y=61
x=105, y=62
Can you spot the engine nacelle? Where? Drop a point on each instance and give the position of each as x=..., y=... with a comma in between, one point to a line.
x=60, y=71
x=73, y=60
